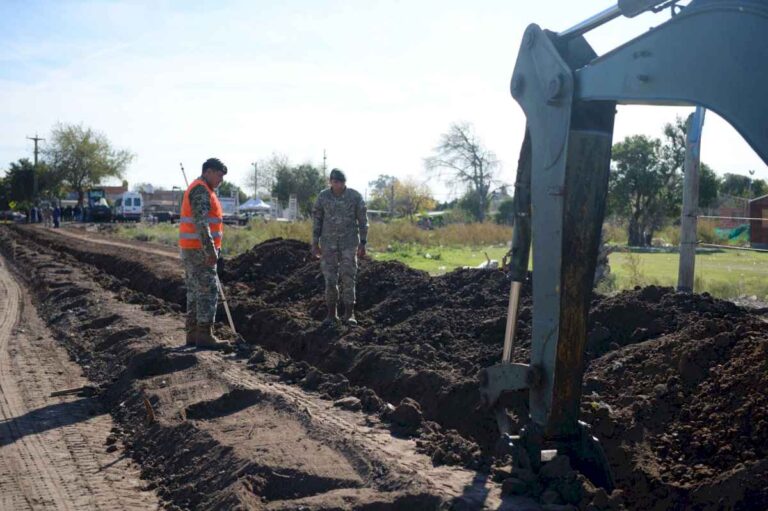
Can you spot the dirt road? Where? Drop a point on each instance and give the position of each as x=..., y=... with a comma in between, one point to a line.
x=53, y=452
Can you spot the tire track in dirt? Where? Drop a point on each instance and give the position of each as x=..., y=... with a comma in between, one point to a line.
x=52, y=453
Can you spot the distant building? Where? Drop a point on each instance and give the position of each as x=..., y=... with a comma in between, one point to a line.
x=758, y=229
x=729, y=207
x=163, y=200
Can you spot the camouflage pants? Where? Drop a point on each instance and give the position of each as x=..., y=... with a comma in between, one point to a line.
x=335, y=261
x=200, y=279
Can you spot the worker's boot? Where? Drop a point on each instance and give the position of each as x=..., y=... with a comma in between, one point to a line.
x=349, y=314
x=331, y=318
x=204, y=338
x=189, y=327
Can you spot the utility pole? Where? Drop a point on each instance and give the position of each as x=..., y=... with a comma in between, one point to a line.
x=325, y=167
x=255, y=179
x=690, y=201
x=36, y=139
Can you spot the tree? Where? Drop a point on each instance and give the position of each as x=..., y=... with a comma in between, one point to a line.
x=506, y=213
x=412, y=197
x=304, y=180
x=19, y=180
x=229, y=189
x=22, y=178
x=404, y=198
x=83, y=157
x=262, y=178
x=646, y=181
x=636, y=183
x=709, y=186
x=383, y=193
x=464, y=160
x=743, y=186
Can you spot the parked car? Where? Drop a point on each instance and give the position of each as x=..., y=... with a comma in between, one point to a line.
x=166, y=216
x=12, y=216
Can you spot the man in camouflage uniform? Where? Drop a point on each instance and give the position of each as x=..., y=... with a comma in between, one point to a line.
x=199, y=214
x=339, y=235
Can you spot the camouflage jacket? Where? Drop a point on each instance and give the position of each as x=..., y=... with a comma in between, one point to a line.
x=341, y=219
x=200, y=202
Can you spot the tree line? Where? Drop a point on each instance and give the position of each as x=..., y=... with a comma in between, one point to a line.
x=645, y=184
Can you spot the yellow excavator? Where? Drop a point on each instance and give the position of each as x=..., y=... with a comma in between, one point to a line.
x=709, y=53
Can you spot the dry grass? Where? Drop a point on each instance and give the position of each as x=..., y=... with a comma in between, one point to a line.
x=381, y=236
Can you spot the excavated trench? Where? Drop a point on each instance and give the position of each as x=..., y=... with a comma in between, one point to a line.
x=674, y=387
x=208, y=432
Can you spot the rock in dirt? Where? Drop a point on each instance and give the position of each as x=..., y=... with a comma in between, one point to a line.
x=407, y=416
x=348, y=403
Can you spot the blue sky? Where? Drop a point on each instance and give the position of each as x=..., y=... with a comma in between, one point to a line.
x=374, y=83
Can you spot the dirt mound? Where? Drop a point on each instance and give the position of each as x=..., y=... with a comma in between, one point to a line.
x=669, y=367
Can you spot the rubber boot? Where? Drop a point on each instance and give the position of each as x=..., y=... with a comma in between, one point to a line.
x=204, y=338
x=189, y=328
x=331, y=318
x=349, y=314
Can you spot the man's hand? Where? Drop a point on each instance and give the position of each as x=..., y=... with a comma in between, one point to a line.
x=211, y=259
x=316, y=251
x=361, y=251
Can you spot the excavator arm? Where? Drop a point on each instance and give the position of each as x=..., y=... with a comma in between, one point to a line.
x=712, y=53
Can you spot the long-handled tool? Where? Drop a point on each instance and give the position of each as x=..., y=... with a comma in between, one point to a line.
x=238, y=337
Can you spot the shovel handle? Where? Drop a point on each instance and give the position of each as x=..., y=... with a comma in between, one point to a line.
x=509, y=333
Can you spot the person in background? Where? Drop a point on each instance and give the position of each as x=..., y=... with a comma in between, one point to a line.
x=339, y=236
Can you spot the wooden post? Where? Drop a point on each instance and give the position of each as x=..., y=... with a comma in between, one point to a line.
x=690, y=201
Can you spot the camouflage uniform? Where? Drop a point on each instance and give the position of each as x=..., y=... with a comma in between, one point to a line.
x=339, y=224
x=200, y=279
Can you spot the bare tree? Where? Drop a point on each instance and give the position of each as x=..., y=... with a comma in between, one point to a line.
x=461, y=157
x=261, y=178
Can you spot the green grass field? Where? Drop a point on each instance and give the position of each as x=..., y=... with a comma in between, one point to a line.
x=726, y=274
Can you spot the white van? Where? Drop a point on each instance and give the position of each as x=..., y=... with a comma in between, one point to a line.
x=128, y=207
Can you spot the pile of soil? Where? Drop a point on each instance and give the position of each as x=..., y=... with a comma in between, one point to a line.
x=673, y=385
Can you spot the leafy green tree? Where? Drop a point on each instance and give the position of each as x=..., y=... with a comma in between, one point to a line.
x=506, y=213
x=709, y=186
x=462, y=158
x=636, y=184
x=228, y=189
x=262, y=178
x=743, y=186
x=383, y=193
x=402, y=197
x=305, y=180
x=83, y=157
x=19, y=180
x=473, y=204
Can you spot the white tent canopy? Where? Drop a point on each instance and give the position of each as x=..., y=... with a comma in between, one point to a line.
x=255, y=205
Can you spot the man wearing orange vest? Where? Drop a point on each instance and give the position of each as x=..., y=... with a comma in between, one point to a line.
x=201, y=226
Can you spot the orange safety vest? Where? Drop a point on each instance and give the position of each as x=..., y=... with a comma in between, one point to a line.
x=189, y=238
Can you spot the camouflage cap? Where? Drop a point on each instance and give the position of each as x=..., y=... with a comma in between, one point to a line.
x=338, y=175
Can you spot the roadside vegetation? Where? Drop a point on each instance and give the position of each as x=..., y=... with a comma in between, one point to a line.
x=724, y=273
